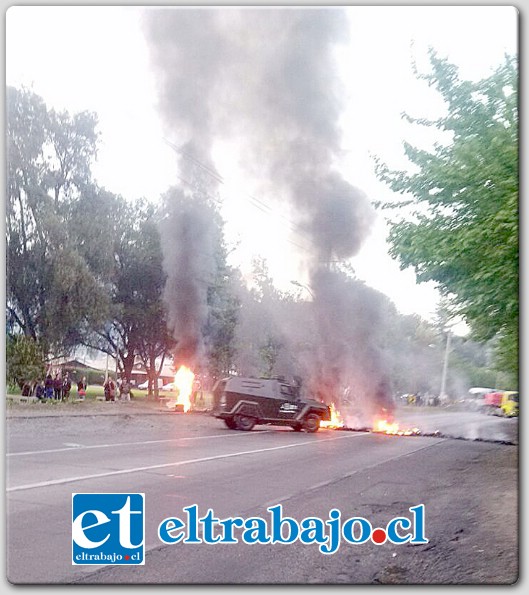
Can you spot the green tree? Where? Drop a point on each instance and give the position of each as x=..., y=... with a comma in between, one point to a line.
x=155, y=343
x=269, y=352
x=260, y=332
x=51, y=290
x=223, y=316
x=24, y=360
x=134, y=285
x=460, y=227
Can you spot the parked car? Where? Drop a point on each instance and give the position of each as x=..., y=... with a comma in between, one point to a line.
x=475, y=399
x=169, y=386
x=493, y=399
x=510, y=403
x=145, y=385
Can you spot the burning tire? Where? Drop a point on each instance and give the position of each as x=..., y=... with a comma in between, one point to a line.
x=311, y=423
x=244, y=423
x=230, y=423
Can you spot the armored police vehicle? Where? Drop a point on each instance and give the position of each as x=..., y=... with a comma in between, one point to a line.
x=244, y=402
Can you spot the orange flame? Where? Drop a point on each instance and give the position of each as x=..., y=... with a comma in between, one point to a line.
x=336, y=420
x=183, y=382
x=383, y=426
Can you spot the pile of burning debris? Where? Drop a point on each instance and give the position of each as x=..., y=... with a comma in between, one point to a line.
x=382, y=424
x=183, y=382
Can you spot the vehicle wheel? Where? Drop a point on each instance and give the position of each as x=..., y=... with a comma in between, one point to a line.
x=244, y=423
x=311, y=423
x=230, y=423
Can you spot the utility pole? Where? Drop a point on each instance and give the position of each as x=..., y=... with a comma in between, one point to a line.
x=445, y=365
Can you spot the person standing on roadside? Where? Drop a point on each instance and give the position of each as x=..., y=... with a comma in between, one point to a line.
x=125, y=390
x=57, y=386
x=66, y=387
x=110, y=389
x=40, y=390
x=26, y=388
x=81, y=388
x=48, y=386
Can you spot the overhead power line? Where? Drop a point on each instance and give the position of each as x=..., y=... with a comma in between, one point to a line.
x=250, y=199
x=212, y=172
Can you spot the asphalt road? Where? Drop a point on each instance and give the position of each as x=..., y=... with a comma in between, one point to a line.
x=469, y=489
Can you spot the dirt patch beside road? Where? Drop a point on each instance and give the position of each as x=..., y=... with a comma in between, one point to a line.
x=87, y=407
x=43, y=426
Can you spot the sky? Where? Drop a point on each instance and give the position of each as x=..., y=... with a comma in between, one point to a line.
x=96, y=58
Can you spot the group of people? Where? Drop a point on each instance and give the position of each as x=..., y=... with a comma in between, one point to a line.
x=418, y=400
x=58, y=387
x=54, y=387
x=110, y=389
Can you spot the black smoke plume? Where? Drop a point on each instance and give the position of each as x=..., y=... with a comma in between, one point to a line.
x=267, y=79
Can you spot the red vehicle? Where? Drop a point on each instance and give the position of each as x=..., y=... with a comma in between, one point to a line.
x=493, y=399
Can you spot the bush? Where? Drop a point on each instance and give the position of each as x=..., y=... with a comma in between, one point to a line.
x=24, y=360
